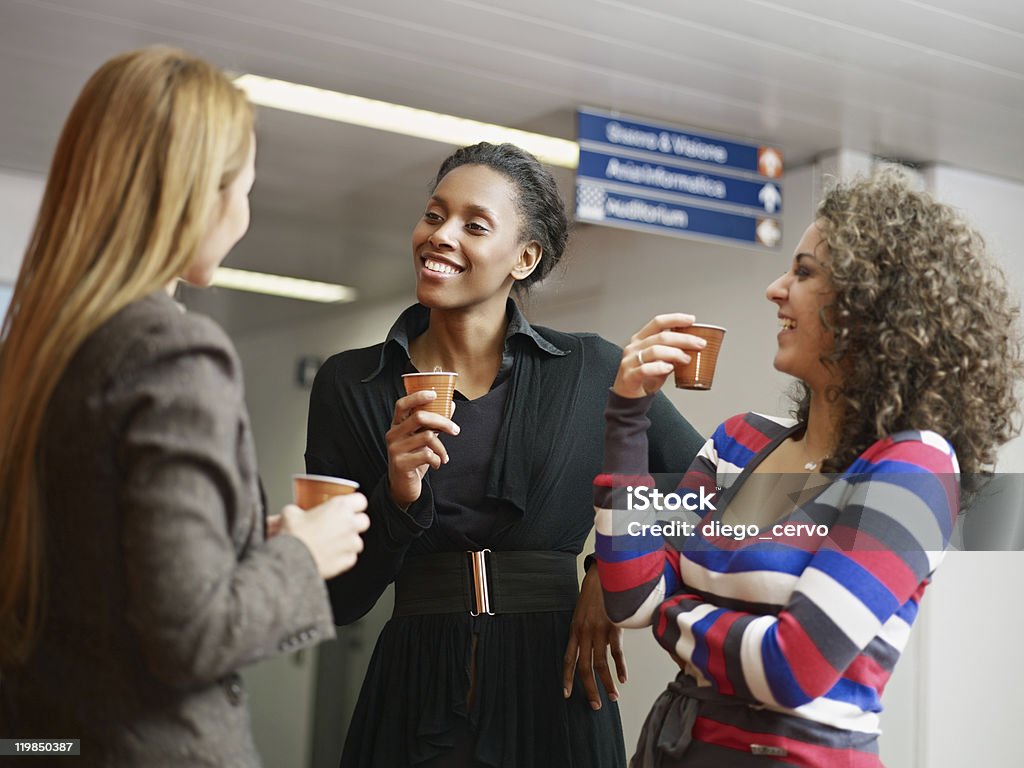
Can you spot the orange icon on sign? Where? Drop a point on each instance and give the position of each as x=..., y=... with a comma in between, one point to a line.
x=769, y=162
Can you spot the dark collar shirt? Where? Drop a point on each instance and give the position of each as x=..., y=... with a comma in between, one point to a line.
x=414, y=321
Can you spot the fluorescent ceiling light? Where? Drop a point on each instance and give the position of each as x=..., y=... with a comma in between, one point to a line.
x=279, y=285
x=385, y=116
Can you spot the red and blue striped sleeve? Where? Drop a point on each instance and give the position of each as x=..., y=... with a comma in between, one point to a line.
x=637, y=564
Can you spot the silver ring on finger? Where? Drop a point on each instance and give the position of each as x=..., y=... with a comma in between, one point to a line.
x=640, y=356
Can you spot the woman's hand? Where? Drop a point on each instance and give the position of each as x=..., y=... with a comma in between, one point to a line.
x=590, y=636
x=413, y=445
x=330, y=530
x=653, y=353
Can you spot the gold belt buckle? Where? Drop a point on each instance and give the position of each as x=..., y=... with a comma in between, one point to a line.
x=481, y=593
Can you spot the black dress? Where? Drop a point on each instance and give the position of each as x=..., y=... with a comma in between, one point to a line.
x=536, y=496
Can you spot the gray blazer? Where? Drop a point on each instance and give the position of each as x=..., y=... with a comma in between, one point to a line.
x=161, y=584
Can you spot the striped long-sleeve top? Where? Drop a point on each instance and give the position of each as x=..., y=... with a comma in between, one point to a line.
x=796, y=623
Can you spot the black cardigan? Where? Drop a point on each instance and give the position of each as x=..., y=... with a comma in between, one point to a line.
x=547, y=453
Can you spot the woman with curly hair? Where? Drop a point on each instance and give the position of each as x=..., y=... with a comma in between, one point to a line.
x=787, y=625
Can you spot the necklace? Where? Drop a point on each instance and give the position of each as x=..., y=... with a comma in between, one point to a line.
x=812, y=464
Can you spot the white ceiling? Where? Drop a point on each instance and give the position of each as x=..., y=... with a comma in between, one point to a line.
x=935, y=81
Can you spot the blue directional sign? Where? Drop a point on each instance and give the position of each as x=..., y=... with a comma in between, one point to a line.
x=668, y=179
x=678, y=180
x=599, y=205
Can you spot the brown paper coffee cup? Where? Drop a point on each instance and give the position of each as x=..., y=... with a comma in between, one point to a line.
x=442, y=382
x=700, y=371
x=314, y=490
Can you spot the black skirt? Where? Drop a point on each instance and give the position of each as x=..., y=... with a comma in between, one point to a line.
x=412, y=706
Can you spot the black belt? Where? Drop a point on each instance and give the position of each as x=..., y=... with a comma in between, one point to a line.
x=487, y=582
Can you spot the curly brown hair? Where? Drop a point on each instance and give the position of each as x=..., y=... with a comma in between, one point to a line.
x=925, y=329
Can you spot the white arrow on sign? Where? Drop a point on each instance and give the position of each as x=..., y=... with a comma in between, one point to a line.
x=768, y=232
x=769, y=197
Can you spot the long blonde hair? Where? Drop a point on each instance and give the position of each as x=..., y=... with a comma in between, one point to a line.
x=153, y=138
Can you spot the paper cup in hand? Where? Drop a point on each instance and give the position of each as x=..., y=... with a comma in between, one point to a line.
x=441, y=382
x=700, y=371
x=313, y=490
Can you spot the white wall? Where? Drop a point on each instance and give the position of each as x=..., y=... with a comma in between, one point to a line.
x=970, y=672
x=20, y=194
x=971, y=675
x=993, y=206
x=615, y=280
x=283, y=690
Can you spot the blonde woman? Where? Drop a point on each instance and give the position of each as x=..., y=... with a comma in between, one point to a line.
x=135, y=574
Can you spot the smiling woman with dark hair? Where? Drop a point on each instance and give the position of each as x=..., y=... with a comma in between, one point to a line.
x=904, y=341
x=510, y=481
